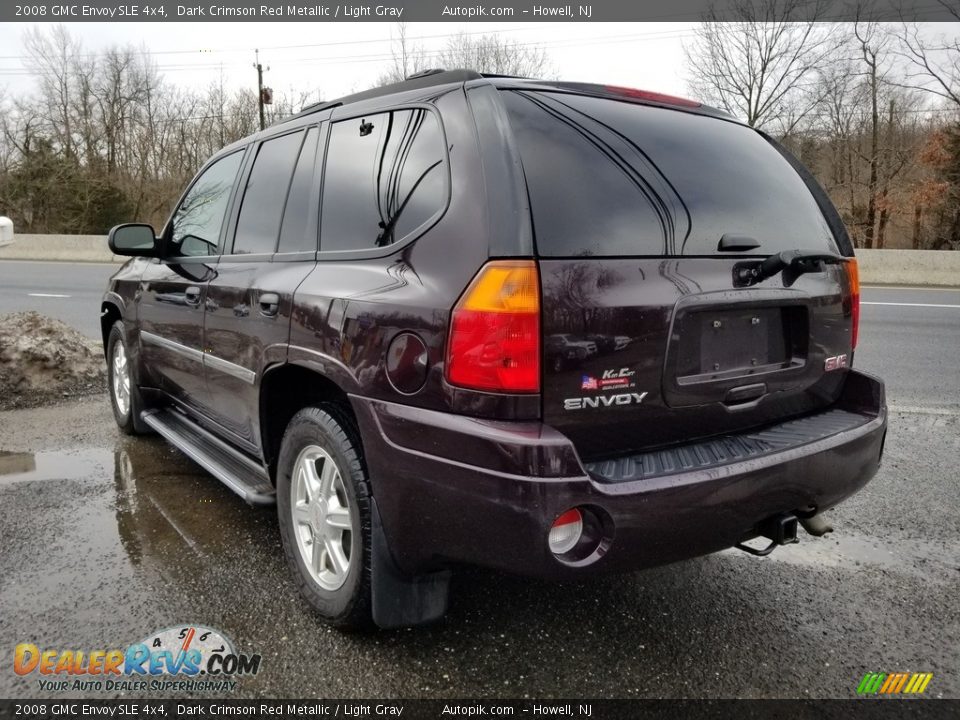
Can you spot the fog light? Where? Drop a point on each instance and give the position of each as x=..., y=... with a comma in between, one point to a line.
x=565, y=532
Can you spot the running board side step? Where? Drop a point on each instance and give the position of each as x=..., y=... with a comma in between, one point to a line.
x=238, y=472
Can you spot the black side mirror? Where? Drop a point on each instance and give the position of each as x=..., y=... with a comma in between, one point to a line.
x=134, y=239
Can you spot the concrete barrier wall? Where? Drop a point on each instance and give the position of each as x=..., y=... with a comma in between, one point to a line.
x=909, y=267
x=877, y=267
x=64, y=248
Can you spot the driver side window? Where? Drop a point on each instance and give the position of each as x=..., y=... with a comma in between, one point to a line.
x=199, y=219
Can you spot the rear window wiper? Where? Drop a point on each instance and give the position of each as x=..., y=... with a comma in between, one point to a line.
x=792, y=263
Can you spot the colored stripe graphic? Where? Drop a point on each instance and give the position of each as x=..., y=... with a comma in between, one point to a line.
x=922, y=685
x=890, y=682
x=870, y=683
x=894, y=683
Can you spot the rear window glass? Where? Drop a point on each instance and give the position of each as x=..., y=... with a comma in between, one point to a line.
x=266, y=192
x=385, y=178
x=609, y=178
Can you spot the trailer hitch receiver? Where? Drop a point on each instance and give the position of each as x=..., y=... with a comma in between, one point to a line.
x=779, y=530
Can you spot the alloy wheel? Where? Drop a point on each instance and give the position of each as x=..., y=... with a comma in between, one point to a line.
x=321, y=517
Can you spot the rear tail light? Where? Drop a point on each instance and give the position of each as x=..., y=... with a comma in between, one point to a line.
x=853, y=288
x=495, y=330
x=565, y=532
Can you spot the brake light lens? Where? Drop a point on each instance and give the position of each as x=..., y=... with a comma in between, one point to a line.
x=651, y=96
x=853, y=288
x=495, y=330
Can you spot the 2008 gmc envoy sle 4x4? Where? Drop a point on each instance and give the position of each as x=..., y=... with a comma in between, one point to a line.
x=545, y=327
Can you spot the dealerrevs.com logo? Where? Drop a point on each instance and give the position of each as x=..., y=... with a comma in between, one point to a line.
x=185, y=658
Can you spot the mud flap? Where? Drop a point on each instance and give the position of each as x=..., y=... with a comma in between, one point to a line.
x=398, y=600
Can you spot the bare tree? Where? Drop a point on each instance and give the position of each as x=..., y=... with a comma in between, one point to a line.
x=870, y=42
x=937, y=62
x=842, y=99
x=496, y=55
x=104, y=137
x=52, y=58
x=486, y=53
x=408, y=57
x=762, y=66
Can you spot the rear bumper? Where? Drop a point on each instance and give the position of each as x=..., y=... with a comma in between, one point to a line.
x=457, y=489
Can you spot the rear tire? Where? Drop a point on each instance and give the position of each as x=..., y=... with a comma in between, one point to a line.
x=323, y=506
x=124, y=394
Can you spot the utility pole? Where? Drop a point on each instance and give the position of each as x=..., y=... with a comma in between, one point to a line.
x=264, y=94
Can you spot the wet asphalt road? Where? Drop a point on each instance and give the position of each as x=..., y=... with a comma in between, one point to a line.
x=110, y=538
x=67, y=291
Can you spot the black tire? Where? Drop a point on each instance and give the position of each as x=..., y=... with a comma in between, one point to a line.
x=128, y=420
x=326, y=427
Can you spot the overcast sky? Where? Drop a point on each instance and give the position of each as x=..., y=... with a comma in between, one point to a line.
x=338, y=58
x=328, y=60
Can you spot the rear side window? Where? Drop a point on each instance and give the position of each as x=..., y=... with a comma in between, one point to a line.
x=265, y=194
x=385, y=178
x=607, y=178
x=296, y=215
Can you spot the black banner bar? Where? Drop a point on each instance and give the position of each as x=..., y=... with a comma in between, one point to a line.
x=446, y=10
x=885, y=709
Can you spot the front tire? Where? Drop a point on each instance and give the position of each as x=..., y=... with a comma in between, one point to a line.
x=324, y=513
x=124, y=393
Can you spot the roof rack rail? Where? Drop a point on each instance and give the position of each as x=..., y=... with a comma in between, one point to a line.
x=424, y=73
x=507, y=77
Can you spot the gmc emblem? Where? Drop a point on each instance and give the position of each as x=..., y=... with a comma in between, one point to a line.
x=835, y=363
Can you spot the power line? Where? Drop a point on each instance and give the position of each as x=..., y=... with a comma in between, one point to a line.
x=291, y=47
x=372, y=57
x=385, y=56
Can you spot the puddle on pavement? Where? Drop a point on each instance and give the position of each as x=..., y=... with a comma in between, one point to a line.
x=18, y=467
x=160, y=504
x=139, y=523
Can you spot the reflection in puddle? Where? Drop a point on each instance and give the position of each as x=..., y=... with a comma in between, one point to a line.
x=165, y=507
x=170, y=512
x=64, y=465
x=106, y=544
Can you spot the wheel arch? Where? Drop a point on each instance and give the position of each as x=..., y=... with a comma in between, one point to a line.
x=109, y=313
x=289, y=387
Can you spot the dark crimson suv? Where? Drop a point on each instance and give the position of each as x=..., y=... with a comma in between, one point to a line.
x=545, y=327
